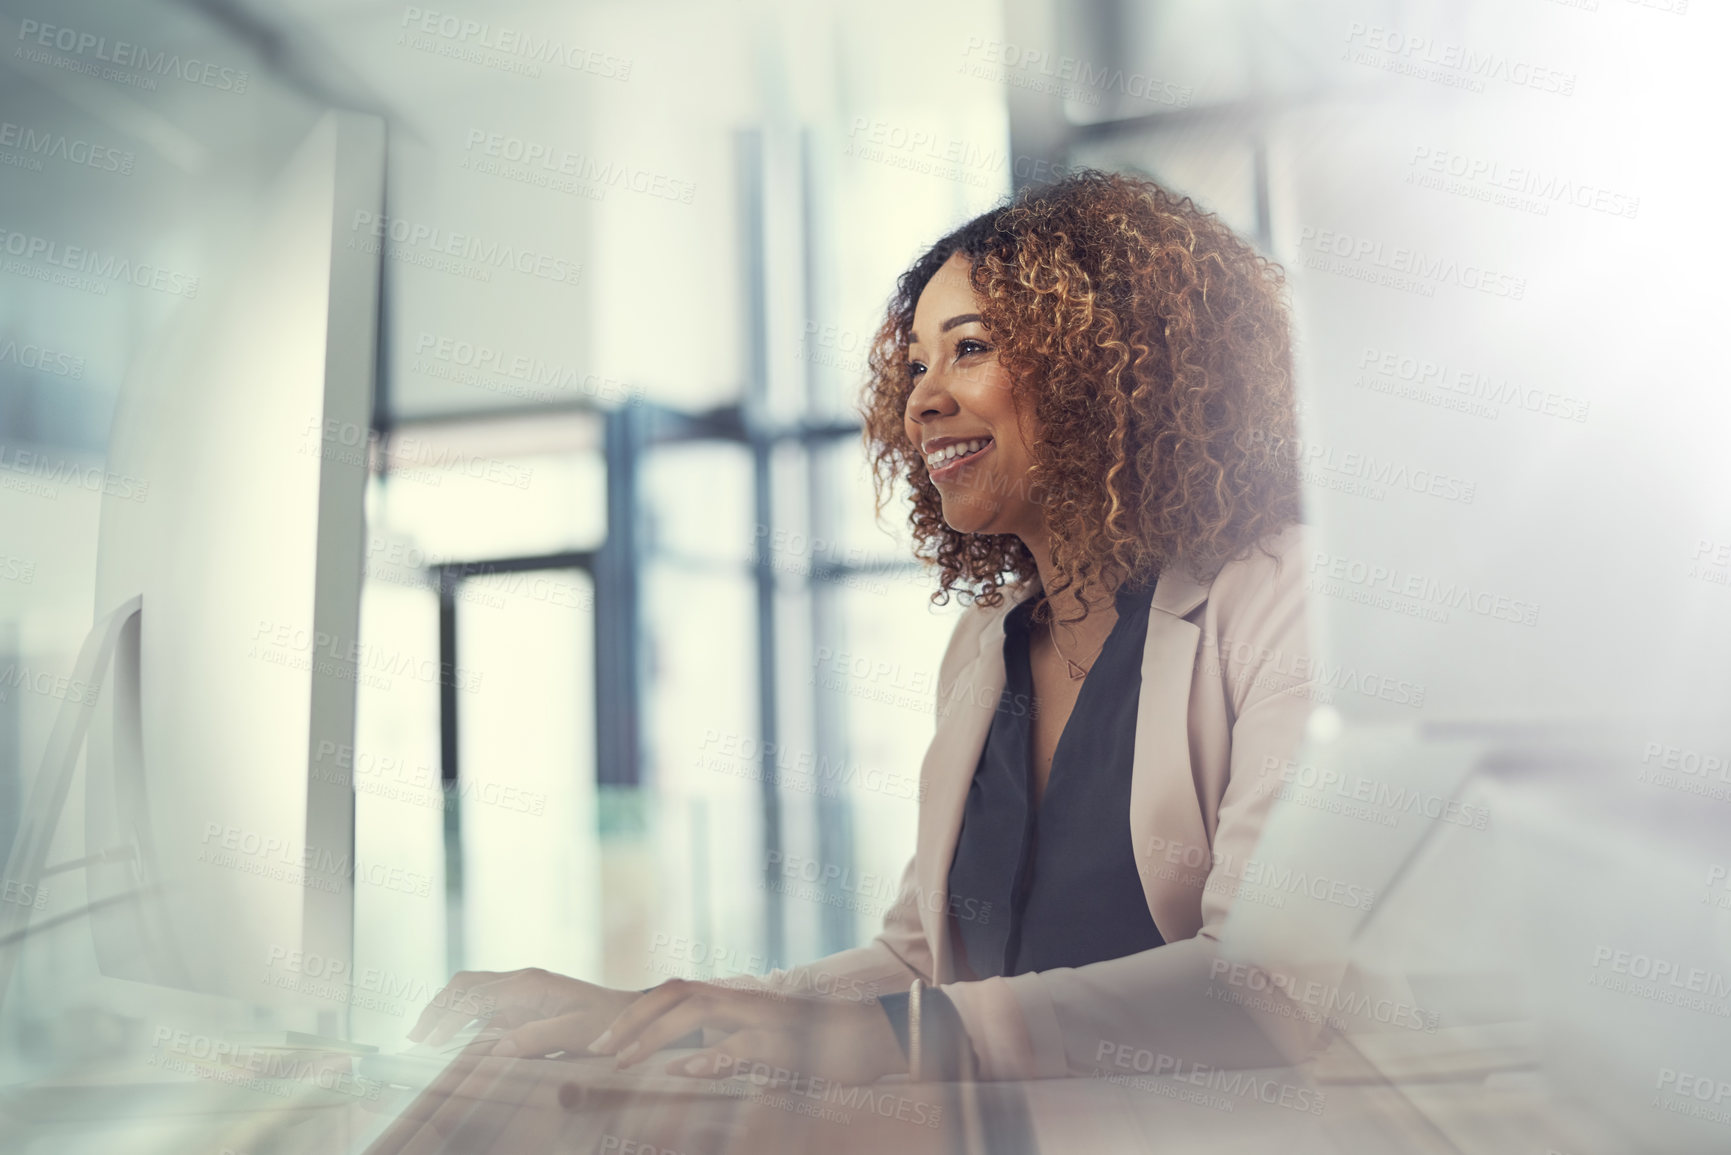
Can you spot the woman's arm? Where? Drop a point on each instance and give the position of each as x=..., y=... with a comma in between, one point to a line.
x=853, y=978
x=890, y=962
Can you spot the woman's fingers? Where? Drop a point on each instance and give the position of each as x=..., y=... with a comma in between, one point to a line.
x=645, y=1009
x=455, y=1004
x=505, y=1000
x=690, y=1015
x=673, y=1010
x=572, y=1033
x=733, y=1054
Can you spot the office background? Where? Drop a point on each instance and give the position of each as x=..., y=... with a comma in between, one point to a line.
x=617, y=494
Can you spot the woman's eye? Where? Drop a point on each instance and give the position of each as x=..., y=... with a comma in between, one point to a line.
x=915, y=369
x=968, y=345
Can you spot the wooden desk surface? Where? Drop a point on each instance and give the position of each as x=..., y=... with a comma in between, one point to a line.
x=481, y=1105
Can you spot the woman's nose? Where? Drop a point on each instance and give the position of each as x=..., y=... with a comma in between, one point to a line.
x=929, y=399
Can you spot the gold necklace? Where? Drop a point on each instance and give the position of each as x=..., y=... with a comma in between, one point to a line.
x=1076, y=672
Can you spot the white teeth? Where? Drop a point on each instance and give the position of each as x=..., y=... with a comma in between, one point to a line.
x=949, y=453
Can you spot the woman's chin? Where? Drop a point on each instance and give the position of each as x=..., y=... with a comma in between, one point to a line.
x=966, y=513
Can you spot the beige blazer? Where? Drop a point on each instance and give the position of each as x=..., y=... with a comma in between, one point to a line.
x=1225, y=694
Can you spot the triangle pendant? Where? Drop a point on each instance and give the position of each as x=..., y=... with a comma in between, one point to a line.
x=1077, y=673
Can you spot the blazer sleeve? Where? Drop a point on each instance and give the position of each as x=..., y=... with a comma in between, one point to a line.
x=1170, y=1002
x=900, y=952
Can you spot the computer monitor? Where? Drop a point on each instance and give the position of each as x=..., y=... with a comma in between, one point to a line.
x=219, y=815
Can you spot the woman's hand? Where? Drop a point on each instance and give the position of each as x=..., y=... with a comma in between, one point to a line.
x=515, y=998
x=849, y=1042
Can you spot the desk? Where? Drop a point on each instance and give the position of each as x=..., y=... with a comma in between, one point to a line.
x=483, y=1104
x=1347, y=1104
x=499, y=1105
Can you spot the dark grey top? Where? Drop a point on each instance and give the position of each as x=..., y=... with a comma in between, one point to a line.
x=1052, y=886
x=1060, y=879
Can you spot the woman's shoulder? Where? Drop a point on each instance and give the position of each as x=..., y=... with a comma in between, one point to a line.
x=1278, y=557
x=1262, y=589
x=977, y=619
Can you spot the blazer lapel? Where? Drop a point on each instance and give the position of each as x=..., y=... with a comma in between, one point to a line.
x=1172, y=850
x=947, y=772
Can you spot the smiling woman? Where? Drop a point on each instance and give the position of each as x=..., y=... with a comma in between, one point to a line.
x=1085, y=391
x=1127, y=343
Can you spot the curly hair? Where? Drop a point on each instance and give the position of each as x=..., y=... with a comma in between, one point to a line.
x=1154, y=346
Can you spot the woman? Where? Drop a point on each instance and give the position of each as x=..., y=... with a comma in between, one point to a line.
x=1087, y=392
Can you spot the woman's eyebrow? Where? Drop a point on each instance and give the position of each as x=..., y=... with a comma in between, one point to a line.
x=959, y=319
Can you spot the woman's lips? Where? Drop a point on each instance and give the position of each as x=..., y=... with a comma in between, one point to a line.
x=950, y=470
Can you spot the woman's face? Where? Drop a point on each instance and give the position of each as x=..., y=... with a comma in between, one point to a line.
x=961, y=415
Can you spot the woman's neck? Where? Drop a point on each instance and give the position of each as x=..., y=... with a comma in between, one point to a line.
x=1066, y=604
